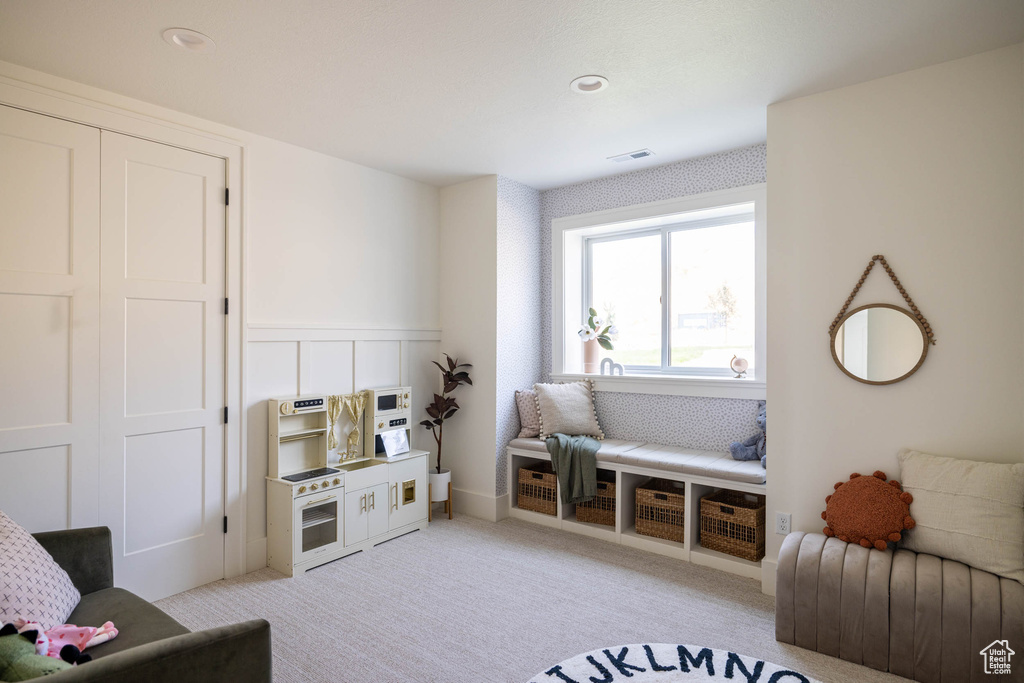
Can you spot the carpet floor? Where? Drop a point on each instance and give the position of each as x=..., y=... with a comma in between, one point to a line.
x=468, y=600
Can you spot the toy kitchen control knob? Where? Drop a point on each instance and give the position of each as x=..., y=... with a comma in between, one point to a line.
x=405, y=405
x=286, y=408
x=314, y=487
x=406, y=396
x=336, y=482
x=325, y=484
x=302, y=489
x=380, y=425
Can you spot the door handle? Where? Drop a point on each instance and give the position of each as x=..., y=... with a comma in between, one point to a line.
x=362, y=503
x=372, y=504
x=317, y=502
x=395, y=505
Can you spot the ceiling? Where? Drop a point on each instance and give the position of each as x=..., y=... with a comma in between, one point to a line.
x=446, y=90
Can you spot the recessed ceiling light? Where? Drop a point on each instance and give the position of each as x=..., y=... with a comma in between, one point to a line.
x=589, y=84
x=189, y=40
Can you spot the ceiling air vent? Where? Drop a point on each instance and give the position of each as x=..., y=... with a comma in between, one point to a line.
x=632, y=156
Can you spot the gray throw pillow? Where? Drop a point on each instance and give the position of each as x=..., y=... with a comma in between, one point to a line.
x=567, y=409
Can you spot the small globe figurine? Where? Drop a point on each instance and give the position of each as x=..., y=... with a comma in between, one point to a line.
x=739, y=366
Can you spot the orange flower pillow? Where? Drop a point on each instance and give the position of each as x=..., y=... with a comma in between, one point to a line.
x=868, y=511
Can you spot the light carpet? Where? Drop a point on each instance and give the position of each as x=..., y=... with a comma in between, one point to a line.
x=469, y=600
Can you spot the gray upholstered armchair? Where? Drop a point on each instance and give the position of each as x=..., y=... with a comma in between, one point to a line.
x=151, y=646
x=920, y=616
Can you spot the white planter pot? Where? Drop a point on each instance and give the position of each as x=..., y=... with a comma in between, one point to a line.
x=439, y=484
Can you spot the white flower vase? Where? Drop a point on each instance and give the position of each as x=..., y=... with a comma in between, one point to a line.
x=439, y=484
x=591, y=357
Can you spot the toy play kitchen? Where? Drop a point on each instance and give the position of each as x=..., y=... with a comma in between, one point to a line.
x=326, y=500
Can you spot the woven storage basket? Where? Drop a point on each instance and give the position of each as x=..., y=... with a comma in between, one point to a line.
x=601, y=510
x=733, y=523
x=661, y=509
x=538, y=488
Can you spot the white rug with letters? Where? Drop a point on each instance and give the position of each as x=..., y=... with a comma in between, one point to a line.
x=664, y=663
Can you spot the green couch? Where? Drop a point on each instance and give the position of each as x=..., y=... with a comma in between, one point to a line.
x=150, y=646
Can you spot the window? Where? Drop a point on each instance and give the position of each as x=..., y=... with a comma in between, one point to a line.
x=681, y=296
x=682, y=281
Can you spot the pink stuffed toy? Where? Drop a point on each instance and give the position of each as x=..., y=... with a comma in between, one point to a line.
x=68, y=641
x=81, y=637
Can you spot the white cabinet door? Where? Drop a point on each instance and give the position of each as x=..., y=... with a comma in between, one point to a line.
x=356, y=513
x=377, y=520
x=408, y=494
x=162, y=225
x=49, y=315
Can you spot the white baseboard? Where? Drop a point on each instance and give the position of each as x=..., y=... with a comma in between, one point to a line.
x=481, y=506
x=768, y=570
x=255, y=555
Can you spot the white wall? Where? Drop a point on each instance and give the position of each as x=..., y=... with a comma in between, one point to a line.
x=334, y=243
x=468, y=294
x=342, y=283
x=927, y=168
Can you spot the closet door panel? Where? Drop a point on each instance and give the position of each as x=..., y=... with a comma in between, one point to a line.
x=49, y=339
x=162, y=364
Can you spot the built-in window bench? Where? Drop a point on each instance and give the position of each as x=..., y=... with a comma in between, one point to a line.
x=633, y=463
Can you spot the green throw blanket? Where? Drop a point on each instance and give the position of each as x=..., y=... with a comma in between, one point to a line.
x=574, y=459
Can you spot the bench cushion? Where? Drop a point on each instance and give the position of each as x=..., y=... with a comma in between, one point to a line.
x=609, y=451
x=713, y=464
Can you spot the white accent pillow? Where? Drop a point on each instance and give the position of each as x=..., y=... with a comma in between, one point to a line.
x=968, y=511
x=529, y=417
x=567, y=409
x=33, y=587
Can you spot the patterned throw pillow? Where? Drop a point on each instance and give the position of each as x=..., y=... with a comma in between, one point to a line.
x=32, y=586
x=529, y=416
x=567, y=409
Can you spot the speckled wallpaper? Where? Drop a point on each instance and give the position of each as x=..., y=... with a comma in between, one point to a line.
x=705, y=423
x=519, y=303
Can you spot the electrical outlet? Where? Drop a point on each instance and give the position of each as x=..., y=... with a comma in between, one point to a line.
x=783, y=523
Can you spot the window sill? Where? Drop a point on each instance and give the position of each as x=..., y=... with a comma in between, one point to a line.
x=714, y=387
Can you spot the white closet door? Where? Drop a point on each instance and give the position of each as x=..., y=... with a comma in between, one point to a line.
x=49, y=333
x=162, y=364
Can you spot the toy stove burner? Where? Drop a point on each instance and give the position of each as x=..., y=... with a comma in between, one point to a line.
x=311, y=474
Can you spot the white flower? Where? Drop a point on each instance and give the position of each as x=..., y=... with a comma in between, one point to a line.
x=583, y=330
x=598, y=322
x=588, y=335
x=613, y=330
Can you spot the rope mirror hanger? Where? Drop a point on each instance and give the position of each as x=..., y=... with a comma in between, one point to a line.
x=875, y=343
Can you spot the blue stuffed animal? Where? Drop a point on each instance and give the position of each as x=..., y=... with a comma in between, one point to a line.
x=756, y=446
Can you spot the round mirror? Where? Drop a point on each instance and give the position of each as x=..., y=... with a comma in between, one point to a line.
x=879, y=344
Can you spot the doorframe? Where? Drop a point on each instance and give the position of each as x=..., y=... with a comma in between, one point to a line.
x=59, y=98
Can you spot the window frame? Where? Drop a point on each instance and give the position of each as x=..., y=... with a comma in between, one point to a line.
x=665, y=232
x=572, y=241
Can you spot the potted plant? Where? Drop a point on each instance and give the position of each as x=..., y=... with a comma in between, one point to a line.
x=595, y=332
x=443, y=408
